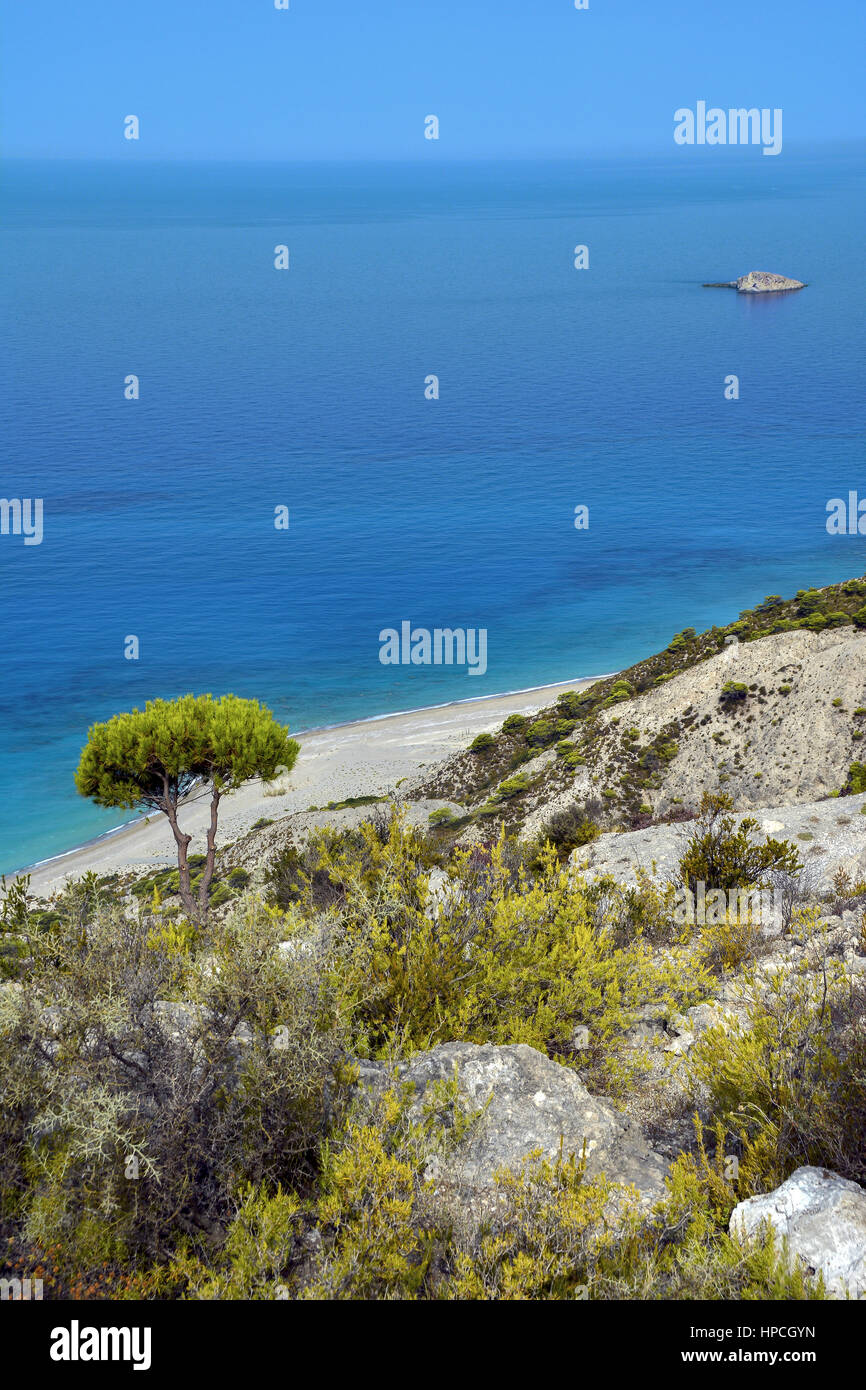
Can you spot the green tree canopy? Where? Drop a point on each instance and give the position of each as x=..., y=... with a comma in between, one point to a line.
x=151, y=758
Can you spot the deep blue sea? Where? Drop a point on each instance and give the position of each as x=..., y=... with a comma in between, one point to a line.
x=305, y=388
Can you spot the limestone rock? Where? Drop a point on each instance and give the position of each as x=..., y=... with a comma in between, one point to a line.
x=531, y=1103
x=824, y=1219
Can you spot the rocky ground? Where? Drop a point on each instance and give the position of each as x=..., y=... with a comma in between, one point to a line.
x=829, y=836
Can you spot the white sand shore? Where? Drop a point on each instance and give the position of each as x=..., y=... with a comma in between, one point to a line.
x=362, y=759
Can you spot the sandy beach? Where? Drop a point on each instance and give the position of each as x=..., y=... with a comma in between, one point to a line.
x=369, y=758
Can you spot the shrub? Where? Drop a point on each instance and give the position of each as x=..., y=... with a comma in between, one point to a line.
x=570, y=828
x=481, y=743
x=733, y=691
x=569, y=753
x=788, y=1082
x=515, y=724
x=727, y=944
x=620, y=690
x=92, y=1081
x=573, y=703
x=509, y=959
x=512, y=786
x=808, y=601
x=815, y=622
x=543, y=731
x=857, y=778
x=721, y=856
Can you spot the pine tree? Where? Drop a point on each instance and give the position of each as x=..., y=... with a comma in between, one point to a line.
x=151, y=758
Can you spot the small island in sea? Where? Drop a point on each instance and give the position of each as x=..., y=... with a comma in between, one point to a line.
x=757, y=282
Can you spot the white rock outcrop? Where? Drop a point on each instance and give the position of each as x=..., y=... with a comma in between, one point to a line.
x=823, y=1217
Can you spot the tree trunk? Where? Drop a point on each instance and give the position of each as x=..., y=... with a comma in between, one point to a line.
x=204, y=886
x=183, y=842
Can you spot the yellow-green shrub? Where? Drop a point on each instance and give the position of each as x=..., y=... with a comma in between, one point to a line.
x=789, y=1082
x=507, y=957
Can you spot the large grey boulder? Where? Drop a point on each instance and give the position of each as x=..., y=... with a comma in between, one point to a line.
x=531, y=1103
x=823, y=1217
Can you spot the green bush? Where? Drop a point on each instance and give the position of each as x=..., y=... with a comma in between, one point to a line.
x=515, y=724
x=816, y=622
x=733, y=691
x=481, y=743
x=569, y=753
x=512, y=958
x=96, y=1086
x=542, y=732
x=857, y=778
x=619, y=691
x=808, y=601
x=721, y=854
x=512, y=786
x=789, y=1081
x=569, y=828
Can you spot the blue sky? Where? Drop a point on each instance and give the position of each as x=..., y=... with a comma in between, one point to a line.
x=238, y=79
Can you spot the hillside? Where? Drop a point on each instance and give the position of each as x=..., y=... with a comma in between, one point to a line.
x=769, y=710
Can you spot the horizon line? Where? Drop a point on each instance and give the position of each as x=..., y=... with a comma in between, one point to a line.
x=619, y=151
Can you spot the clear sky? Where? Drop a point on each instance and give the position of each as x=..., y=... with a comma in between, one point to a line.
x=355, y=78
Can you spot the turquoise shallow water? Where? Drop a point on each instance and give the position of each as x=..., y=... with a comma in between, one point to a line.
x=306, y=389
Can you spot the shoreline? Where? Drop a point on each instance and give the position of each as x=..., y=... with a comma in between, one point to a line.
x=348, y=745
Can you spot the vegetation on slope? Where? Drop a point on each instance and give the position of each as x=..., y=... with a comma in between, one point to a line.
x=179, y=1110
x=487, y=778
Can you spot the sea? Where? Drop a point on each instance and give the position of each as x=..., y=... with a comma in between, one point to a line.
x=309, y=389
